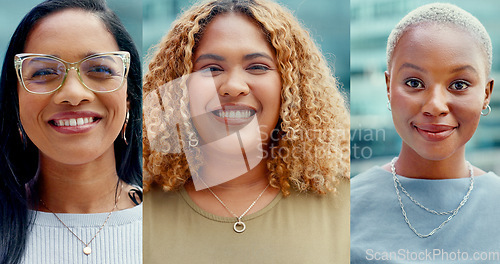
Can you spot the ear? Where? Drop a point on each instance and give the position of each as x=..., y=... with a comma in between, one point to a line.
x=388, y=84
x=487, y=92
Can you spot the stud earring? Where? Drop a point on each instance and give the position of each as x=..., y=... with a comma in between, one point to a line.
x=124, y=129
x=488, y=107
x=389, y=106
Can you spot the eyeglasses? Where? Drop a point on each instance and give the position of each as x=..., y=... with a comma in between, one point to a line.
x=44, y=74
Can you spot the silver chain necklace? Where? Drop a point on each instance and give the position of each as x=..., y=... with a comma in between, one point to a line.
x=239, y=226
x=452, y=213
x=86, y=250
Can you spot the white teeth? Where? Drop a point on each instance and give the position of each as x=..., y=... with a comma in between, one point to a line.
x=74, y=122
x=234, y=114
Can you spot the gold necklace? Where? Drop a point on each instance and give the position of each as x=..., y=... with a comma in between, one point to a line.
x=87, y=250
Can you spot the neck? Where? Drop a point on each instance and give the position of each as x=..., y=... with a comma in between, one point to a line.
x=82, y=188
x=257, y=177
x=233, y=170
x=237, y=193
x=411, y=164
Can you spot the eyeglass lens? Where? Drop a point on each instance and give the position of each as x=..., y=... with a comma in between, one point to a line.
x=101, y=73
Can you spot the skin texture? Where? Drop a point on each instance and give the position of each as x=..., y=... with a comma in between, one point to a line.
x=311, y=103
x=437, y=92
x=234, y=66
x=70, y=162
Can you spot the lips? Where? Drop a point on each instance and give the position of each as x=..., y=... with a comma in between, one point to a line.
x=74, y=122
x=234, y=114
x=435, y=132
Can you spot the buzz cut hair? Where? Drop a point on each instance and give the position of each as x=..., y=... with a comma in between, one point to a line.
x=443, y=14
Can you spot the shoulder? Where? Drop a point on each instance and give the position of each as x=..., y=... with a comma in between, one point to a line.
x=337, y=200
x=489, y=179
x=370, y=185
x=488, y=183
x=492, y=176
x=158, y=199
x=369, y=176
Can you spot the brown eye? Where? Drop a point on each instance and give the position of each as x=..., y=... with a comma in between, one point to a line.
x=258, y=69
x=459, y=85
x=211, y=71
x=414, y=83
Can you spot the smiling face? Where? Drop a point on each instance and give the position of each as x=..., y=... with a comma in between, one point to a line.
x=72, y=125
x=235, y=85
x=437, y=85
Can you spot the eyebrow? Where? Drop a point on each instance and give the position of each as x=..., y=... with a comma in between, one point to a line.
x=463, y=68
x=412, y=66
x=458, y=69
x=210, y=56
x=85, y=55
x=257, y=55
x=90, y=53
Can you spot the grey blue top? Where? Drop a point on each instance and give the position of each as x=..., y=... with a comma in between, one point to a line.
x=379, y=233
x=120, y=241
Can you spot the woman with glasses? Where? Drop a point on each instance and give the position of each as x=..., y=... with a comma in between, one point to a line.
x=70, y=102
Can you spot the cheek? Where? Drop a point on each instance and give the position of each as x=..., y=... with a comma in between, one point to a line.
x=117, y=100
x=402, y=99
x=468, y=112
x=31, y=107
x=201, y=91
x=269, y=95
x=268, y=90
x=403, y=106
x=116, y=103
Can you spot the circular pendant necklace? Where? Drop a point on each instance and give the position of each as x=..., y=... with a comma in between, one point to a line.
x=239, y=226
x=86, y=250
x=452, y=213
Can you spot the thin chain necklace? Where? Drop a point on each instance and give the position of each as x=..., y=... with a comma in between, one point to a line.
x=239, y=226
x=87, y=250
x=452, y=213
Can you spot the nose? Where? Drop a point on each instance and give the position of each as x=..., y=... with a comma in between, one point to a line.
x=436, y=101
x=234, y=85
x=73, y=92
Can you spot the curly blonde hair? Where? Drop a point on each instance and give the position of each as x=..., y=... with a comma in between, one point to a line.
x=312, y=152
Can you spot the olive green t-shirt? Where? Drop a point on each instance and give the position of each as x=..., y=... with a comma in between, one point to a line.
x=301, y=228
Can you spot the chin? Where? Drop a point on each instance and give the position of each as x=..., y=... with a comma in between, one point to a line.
x=435, y=154
x=73, y=155
x=232, y=146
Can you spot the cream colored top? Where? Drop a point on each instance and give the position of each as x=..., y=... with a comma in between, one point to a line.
x=301, y=228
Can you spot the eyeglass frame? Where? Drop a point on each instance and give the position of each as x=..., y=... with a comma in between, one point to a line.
x=19, y=58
